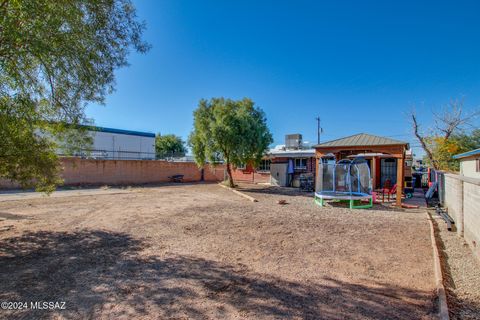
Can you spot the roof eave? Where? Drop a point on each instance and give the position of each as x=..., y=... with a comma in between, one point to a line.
x=472, y=153
x=366, y=145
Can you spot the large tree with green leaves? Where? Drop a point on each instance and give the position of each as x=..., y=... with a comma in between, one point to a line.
x=169, y=145
x=55, y=57
x=236, y=131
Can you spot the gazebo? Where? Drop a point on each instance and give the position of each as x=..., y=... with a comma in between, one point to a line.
x=385, y=156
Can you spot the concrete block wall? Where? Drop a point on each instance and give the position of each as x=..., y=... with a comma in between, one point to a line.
x=471, y=216
x=78, y=171
x=214, y=173
x=249, y=174
x=120, y=172
x=462, y=198
x=454, y=200
x=7, y=184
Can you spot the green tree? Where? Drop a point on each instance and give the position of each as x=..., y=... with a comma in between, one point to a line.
x=444, y=149
x=169, y=145
x=55, y=57
x=469, y=141
x=236, y=131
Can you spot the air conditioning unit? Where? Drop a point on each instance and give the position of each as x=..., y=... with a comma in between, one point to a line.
x=293, y=141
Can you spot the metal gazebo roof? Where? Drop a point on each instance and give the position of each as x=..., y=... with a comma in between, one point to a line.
x=361, y=139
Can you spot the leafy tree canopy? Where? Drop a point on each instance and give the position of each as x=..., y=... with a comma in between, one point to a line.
x=236, y=131
x=443, y=149
x=55, y=57
x=169, y=145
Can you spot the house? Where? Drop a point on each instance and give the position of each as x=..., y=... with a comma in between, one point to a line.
x=282, y=165
x=109, y=143
x=386, y=157
x=290, y=161
x=469, y=163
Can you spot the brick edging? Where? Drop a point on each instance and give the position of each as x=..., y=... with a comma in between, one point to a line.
x=442, y=297
x=239, y=193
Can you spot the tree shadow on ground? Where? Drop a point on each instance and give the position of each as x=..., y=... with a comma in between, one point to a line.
x=104, y=275
x=272, y=190
x=11, y=216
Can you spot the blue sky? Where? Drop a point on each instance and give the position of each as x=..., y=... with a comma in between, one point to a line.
x=359, y=65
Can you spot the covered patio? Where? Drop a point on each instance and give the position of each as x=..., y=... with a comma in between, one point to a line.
x=385, y=156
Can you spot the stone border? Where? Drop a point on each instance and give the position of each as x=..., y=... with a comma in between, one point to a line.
x=442, y=297
x=239, y=193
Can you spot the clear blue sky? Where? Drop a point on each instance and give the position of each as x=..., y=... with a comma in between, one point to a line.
x=360, y=65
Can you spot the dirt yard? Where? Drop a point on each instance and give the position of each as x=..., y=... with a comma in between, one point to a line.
x=201, y=252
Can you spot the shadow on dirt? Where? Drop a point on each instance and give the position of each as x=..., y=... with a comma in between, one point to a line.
x=272, y=190
x=11, y=216
x=103, y=274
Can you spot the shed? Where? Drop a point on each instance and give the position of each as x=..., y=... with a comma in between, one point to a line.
x=469, y=163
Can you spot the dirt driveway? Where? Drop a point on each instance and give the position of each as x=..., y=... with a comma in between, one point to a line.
x=201, y=251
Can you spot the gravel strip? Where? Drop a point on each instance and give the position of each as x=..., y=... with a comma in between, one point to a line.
x=461, y=271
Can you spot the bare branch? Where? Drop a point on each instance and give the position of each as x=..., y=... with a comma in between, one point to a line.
x=452, y=118
x=421, y=139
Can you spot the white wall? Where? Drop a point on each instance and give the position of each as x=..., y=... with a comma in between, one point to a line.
x=122, y=145
x=462, y=198
x=468, y=168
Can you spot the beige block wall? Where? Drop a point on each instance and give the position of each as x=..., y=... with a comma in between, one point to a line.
x=471, y=216
x=462, y=198
x=454, y=200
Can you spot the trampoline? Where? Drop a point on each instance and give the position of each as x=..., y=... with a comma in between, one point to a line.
x=345, y=180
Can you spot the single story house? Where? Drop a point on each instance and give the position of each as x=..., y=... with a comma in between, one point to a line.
x=288, y=164
x=386, y=157
x=281, y=165
x=469, y=163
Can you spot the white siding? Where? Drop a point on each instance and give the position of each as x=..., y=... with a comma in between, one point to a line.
x=117, y=145
x=468, y=167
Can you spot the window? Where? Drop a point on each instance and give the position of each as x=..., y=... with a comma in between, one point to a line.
x=264, y=165
x=301, y=163
x=242, y=166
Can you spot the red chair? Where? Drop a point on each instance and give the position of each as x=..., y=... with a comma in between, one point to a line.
x=390, y=192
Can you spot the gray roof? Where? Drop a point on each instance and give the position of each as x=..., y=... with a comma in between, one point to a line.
x=361, y=139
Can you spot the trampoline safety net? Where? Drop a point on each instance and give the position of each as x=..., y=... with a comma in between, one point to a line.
x=345, y=179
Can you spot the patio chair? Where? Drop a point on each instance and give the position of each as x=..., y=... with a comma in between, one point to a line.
x=386, y=189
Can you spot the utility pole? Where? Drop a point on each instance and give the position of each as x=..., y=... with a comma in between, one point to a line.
x=319, y=129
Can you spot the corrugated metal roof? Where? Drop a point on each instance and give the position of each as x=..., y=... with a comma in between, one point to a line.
x=467, y=154
x=361, y=139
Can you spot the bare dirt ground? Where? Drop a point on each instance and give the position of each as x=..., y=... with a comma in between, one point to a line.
x=461, y=272
x=200, y=251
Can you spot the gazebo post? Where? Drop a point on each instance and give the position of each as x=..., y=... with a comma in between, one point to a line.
x=400, y=179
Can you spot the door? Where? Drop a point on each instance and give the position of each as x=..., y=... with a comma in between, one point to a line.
x=278, y=174
x=388, y=170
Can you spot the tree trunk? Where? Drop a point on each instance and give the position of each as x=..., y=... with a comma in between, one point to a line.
x=422, y=142
x=229, y=174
